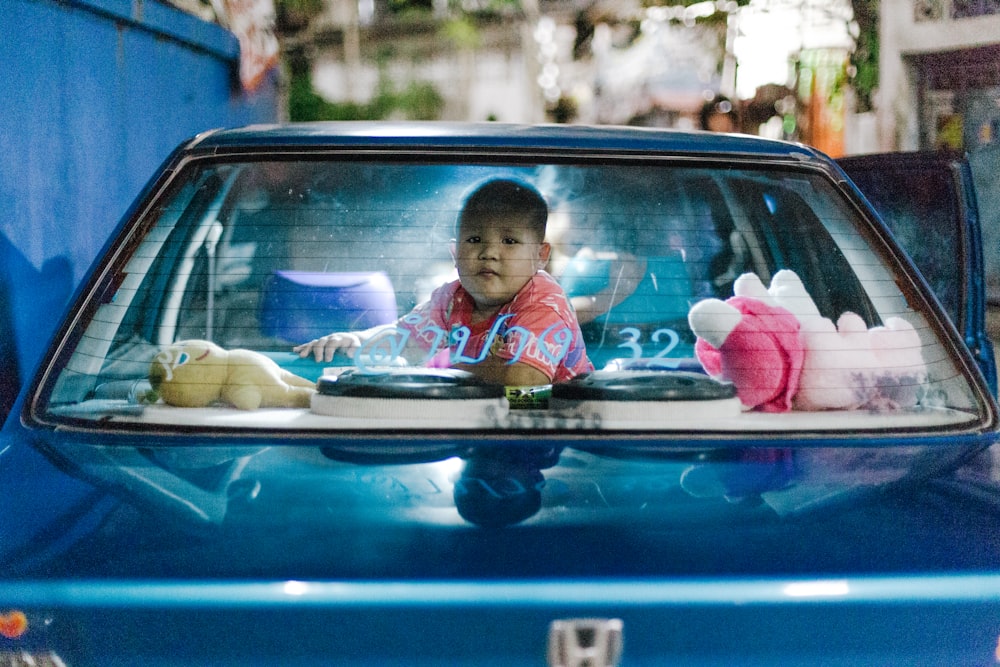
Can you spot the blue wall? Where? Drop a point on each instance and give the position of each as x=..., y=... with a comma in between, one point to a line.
x=94, y=94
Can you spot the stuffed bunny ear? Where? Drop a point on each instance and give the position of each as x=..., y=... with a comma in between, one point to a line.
x=851, y=324
x=713, y=320
x=789, y=293
x=749, y=285
x=898, y=345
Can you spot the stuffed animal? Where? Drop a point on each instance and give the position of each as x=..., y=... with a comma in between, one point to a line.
x=781, y=353
x=197, y=373
x=752, y=342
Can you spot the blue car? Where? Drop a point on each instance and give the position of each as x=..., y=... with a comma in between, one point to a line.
x=436, y=394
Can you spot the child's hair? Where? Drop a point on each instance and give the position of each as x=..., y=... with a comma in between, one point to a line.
x=503, y=195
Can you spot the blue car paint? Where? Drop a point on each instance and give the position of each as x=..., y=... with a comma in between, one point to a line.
x=927, y=621
x=752, y=616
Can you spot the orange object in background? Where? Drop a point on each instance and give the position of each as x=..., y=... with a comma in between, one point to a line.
x=13, y=624
x=821, y=78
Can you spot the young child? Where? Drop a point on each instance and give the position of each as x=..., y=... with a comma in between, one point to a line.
x=505, y=319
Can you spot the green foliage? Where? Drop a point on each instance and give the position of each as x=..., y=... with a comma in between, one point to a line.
x=683, y=3
x=307, y=6
x=410, y=7
x=294, y=15
x=461, y=32
x=864, y=58
x=418, y=101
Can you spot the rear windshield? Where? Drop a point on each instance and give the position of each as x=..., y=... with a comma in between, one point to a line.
x=371, y=295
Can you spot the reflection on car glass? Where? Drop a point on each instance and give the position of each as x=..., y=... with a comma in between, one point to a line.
x=523, y=276
x=504, y=319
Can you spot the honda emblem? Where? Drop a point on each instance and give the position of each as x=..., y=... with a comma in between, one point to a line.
x=585, y=642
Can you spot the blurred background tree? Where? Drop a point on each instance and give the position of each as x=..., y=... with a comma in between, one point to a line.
x=864, y=58
x=424, y=59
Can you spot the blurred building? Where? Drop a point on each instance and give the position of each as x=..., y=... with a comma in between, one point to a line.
x=939, y=74
x=596, y=61
x=785, y=63
x=485, y=64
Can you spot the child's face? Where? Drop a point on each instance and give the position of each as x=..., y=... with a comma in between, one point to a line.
x=496, y=255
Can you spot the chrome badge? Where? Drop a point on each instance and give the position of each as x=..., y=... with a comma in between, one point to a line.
x=585, y=642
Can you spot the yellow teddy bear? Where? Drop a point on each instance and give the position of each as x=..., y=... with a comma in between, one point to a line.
x=197, y=373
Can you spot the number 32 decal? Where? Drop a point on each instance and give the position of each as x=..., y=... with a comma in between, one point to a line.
x=632, y=337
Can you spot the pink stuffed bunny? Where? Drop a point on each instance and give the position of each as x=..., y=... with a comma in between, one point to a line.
x=773, y=344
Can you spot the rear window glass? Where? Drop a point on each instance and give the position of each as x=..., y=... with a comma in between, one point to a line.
x=363, y=294
x=920, y=206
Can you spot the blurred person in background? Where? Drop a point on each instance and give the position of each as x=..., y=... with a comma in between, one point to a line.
x=719, y=115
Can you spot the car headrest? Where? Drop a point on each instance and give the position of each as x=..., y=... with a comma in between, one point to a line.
x=298, y=306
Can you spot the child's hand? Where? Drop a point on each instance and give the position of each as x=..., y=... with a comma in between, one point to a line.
x=499, y=371
x=325, y=347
